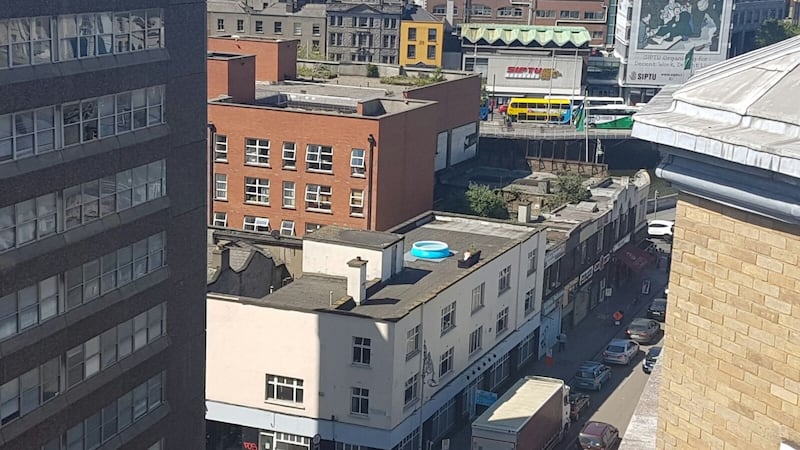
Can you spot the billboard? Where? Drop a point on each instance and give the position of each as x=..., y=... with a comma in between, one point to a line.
x=669, y=35
x=519, y=75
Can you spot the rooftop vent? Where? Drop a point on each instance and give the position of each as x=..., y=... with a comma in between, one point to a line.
x=430, y=250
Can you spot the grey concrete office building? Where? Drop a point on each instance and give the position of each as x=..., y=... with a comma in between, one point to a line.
x=102, y=224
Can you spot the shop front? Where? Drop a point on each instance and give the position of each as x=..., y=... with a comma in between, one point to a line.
x=551, y=322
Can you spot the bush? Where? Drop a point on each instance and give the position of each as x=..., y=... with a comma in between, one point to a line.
x=570, y=190
x=372, y=71
x=484, y=202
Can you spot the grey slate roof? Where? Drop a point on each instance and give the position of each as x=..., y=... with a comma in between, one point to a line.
x=743, y=110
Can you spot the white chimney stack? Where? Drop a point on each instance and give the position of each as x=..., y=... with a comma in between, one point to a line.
x=357, y=279
x=451, y=6
x=524, y=213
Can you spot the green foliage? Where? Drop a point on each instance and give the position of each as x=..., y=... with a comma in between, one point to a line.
x=313, y=53
x=570, y=190
x=420, y=80
x=317, y=71
x=484, y=202
x=372, y=71
x=773, y=31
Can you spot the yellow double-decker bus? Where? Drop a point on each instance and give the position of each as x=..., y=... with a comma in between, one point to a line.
x=549, y=110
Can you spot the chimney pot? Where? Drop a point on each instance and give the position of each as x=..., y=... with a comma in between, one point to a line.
x=357, y=279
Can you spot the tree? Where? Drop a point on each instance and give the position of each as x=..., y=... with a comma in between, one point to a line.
x=484, y=202
x=773, y=31
x=570, y=190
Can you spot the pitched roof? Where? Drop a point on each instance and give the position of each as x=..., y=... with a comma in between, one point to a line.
x=526, y=35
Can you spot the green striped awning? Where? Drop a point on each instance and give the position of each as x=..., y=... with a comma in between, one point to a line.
x=526, y=35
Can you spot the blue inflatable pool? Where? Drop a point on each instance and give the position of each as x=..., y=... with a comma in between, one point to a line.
x=430, y=249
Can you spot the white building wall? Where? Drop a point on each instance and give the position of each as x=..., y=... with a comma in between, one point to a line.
x=331, y=259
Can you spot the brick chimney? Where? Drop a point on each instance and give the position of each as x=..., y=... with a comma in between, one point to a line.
x=357, y=279
x=233, y=75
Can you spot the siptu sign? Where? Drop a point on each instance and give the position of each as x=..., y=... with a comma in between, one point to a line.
x=532, y=73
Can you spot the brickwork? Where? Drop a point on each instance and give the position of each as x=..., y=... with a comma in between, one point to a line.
x=732, y=360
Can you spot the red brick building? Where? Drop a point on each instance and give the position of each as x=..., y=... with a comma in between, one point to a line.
x=297, y=156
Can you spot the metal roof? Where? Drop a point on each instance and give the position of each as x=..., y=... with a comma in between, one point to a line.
x=527, y=35
x=514, y=408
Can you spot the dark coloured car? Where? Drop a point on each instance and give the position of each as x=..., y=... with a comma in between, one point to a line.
x=598, y=436
x=591, y=375
x=577, y=403
x=644, y=331
x=657, y=309
x=651, y=359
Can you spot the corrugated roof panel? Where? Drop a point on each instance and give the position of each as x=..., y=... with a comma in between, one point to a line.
x=540, y=36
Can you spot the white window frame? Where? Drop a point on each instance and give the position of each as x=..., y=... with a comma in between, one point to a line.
x=532, y=260
x=319, y=158
x=289, y=155
x=256, y=191
x=288, y=197
x=220, y=219
x=446, y=362
x=256, y=152
x=478, y=297
x=362, y=351
x=530, y=301
x=220, y=148
x=412, y=341
x=504, y=280
x=448, y=318
x=276, y=383
x=359, y=401
x=411, y=390
x=220, y=186
x=220, y=24
x=253, y=223
x=502, y=321
x=475, y=340
x=319, y=198
x=358, y=157
x=357, y=202
x=287, y=227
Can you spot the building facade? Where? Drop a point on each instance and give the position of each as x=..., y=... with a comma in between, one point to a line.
x=102, y=144
x=732, y=358
x=278, y=20
x=747, y=18
x=365, y=32
x=394, y=347
x=422, y=43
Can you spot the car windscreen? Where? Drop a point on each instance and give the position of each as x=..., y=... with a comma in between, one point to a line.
x=654, y=352
x=637, y=327
x=592, y=441
x=585, y=374
x=658, y=305
x=616, y=349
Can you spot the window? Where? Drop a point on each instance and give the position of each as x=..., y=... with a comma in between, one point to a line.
x=220, y=148
x=412, y=342
x=388, y=59
x=362, y=350
x=448, y=317
x=220, y=186
x=288, y=157
x=28, y=221
x=481, y=10
x=390, y=23
x=593, y=15
x=441, y=10
x=357, y=202
x=298, y=29
x=357, y=162
x=411, y=393
x=502, y=321
x=24, y=134
x=362, y=21
x=20, y=396
x=411, y=51
x=412, y=34
x=549, y=13
x=220, y=219
x=530, y=301
x=569, y=14
x=446, y=362
x=284, y=389
x=288, y=194
x=336, y=21
x=256, y=190
x=475, y=340
x=28, y=307
x=277, y=28
x=287, y=227
x=509, y=12
x=359, y=401
x=315, y=29
x=312, y=227
x=431, y=52
x=319, y=158
x=256, y=151
x=259, y=26
x=389, y=41
x=318, y=198
x=597, y=34
x=432, y=34
x=531, y=262
x=220, y=24
x=240, y=25
x=477, y=297
x=336, y=39
x=504, y=280
x=256, y=223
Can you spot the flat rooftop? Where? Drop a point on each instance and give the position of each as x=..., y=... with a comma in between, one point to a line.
x=419, y=281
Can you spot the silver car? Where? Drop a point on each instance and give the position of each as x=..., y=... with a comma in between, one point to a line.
x=620, y=351
x=644, y=331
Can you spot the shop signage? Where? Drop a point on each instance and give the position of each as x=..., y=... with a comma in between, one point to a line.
x=606, y=259
x=586, y=276
x=621, y=242
x=532, y=73
x=598, y=266
x=553, y=254
x=485, y=398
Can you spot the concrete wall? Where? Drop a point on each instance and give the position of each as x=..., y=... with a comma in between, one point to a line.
x=732, y=361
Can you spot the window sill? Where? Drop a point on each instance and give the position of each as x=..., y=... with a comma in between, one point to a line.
x=409, y=406
x=475, y=353
x=220, y=161
x=411, y=355
x=477, y=310
x=321, y=211
x=286, y=403
x=529, y=312
x=323, y=171
x=531, y=272
x=358, y=175
x=220, y=199
x=499, y=293
x=265, y=166
x=292, y=208
x=360, y=366
x=359, y=415
x=256, y=203
x=449, y=329
x=357, y=215
x=500, y=333
x=292, y=168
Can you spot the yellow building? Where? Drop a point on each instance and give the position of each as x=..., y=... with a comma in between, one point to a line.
x=421, y=41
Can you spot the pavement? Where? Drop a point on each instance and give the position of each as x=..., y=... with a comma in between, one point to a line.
x=587, y=340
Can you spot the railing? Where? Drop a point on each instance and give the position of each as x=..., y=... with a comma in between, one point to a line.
x=548, y=132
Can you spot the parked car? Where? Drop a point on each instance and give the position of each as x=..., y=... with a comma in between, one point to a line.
x=591, y=375
x=598, y=436
x=620, y=351
x=643, y=331
x=651, y=359
x=577, y=403
x=657, y=309
x=660, y=228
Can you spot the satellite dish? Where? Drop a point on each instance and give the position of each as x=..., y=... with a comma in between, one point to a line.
x=275, y=234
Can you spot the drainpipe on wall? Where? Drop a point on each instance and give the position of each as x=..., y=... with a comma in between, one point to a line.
x=212, y=135
x=372, y=144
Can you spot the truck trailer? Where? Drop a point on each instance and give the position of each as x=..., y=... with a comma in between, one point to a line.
x=532, y=415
